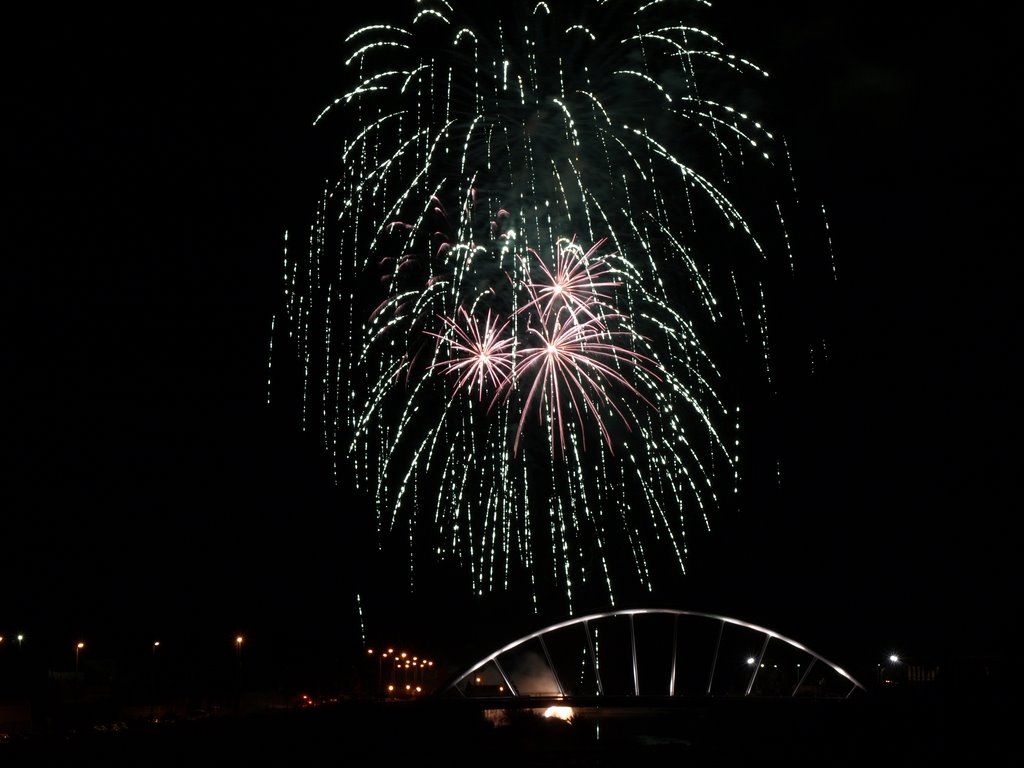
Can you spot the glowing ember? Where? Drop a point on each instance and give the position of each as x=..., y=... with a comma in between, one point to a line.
x=560, y=713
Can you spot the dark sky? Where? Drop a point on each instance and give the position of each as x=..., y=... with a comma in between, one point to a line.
x=151, y=166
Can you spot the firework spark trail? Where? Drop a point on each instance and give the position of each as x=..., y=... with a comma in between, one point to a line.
x=478, y=357
x=522, y=346
x=569, y=361
x=574, y=281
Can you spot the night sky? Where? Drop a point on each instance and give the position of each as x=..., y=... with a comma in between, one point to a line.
x=151, y=166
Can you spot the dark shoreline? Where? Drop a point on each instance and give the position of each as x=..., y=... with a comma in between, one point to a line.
x=917, y=728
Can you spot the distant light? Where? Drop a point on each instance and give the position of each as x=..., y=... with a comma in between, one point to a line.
x=894, y=658
x=750, y=661
x=80, y=646
x=561, y=713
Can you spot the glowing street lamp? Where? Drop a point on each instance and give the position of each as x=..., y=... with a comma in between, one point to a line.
x=78, y=650
x=380, y=667
x=889, y=673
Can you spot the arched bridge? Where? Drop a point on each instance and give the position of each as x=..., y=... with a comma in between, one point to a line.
x=642, y=654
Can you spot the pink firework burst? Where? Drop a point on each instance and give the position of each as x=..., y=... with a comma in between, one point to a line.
x=477, y=353
x=573, y=367
x=575, y=282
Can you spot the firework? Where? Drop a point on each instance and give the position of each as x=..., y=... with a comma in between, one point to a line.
x=574, y=282
x=503, y=311
x=477, y=355
x=575, y=358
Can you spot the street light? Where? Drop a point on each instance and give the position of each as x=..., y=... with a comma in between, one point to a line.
x=380, y=669
x=892, y=671
x=155, y=696
x=78, y=649
x=238, y=672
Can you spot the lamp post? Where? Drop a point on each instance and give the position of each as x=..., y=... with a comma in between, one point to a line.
x=893, y=671
x=238, y=672
x=381, y=658
x=155, y=695
x=380, y=668
x=78, y=650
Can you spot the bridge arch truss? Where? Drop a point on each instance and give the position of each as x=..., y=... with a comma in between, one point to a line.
x=648, y=653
